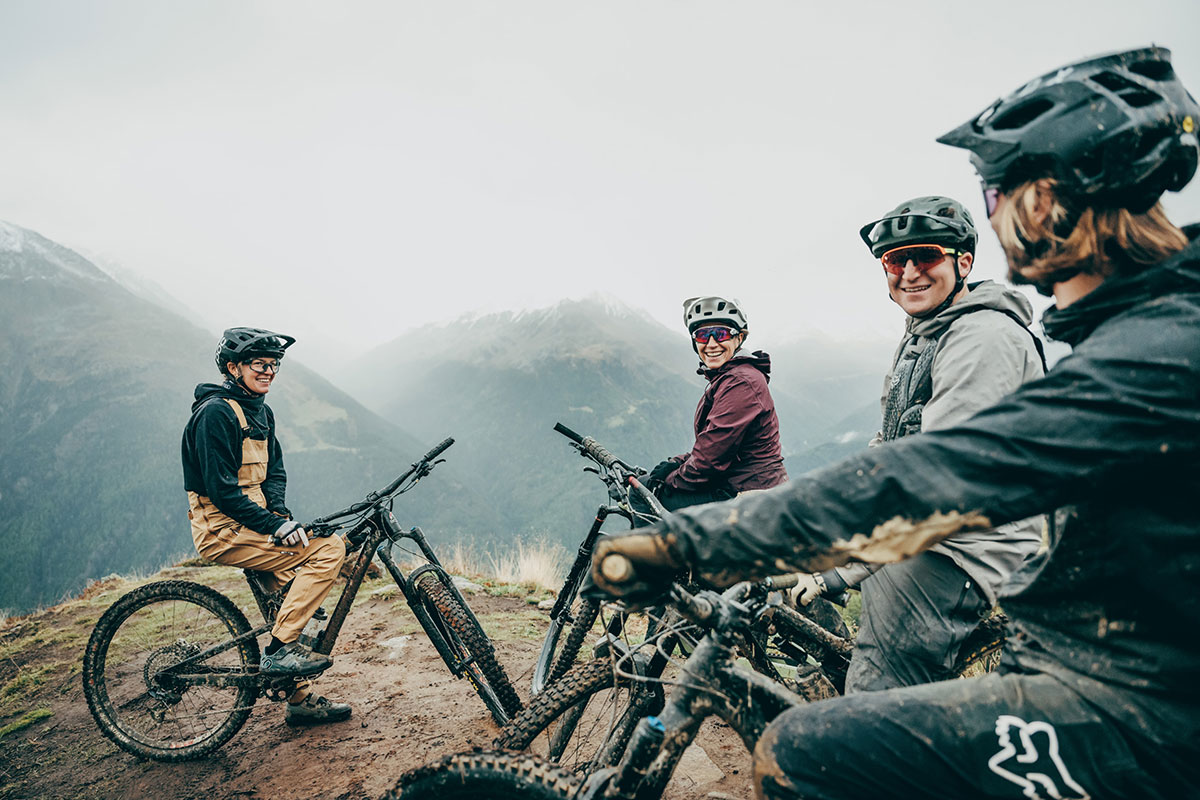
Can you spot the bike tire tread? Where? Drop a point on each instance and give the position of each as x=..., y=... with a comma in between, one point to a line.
x=495, y=775
x=473, y=637
x=95, y=657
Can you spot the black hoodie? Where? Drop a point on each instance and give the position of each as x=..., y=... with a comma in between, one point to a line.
x=212, y=455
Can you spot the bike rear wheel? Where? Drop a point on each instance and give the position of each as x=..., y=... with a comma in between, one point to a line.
x=462, y=634
x=486, y=776
x=128, y=683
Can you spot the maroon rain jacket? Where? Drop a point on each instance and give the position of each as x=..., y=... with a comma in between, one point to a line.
x=737, y=432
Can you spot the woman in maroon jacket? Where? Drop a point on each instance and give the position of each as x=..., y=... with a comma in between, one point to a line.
x=737, y=432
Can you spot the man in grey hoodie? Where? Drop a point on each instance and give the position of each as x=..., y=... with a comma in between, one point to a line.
x=965, y=347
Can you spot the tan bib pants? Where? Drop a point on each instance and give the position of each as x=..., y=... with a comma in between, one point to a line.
x=312, y=570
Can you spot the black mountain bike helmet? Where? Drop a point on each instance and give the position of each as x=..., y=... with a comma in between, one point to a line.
x=1116, y=131
x=923, y=220
x=242, y=344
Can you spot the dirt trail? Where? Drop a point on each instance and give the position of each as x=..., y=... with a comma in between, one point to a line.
x=408, y=710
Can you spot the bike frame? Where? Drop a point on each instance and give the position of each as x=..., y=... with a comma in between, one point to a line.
x=710, y=683
x=372, y=536
x=621, y=480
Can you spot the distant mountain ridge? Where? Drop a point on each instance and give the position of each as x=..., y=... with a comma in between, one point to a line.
x=502, y=380
x=95, y=388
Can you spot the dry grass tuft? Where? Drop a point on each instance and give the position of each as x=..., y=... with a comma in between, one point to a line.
x=540, y=563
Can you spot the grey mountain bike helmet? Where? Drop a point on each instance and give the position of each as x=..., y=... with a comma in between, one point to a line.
x=1116, y=131
x=242, y=344
x=923, y=220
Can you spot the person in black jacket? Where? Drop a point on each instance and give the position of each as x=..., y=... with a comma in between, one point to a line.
x=236, y=484
x=1097, y=695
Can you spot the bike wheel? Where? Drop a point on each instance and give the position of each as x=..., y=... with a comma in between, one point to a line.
x=981, y=651
x=462, y=633
x=486, y=776
x=586, y=612
x=135, y=703
x=582, y=721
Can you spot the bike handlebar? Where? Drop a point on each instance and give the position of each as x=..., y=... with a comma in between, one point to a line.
x=567, y=432
x=594, y=449
x=424, y=463
x=438, y=449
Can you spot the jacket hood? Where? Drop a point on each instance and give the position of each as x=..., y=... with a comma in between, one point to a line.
x=1180, y=273
x=207, y=391
x=758, y=359
x=984, y=294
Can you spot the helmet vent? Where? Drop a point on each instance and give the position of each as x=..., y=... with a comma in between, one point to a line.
x=1023, y=114
x=1130, y=92
x=721, y=306
x=1154, y=70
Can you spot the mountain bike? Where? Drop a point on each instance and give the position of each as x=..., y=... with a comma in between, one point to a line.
x=171, y=671
x=623, y=483
x=710, y=682
x=584, y=721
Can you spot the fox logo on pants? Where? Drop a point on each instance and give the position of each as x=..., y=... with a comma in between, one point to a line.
x=1029, y=757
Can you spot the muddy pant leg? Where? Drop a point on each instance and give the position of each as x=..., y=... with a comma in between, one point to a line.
x=314, y=578
x=998, y=736
x=915, y=616
x=312, y=570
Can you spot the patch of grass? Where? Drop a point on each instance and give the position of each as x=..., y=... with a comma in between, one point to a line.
x=25, y=721
x=196, y=561
x=540, y=563
x=514, y=625
x=17, y=693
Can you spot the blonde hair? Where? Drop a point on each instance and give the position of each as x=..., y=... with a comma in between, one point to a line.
x=1101, y=242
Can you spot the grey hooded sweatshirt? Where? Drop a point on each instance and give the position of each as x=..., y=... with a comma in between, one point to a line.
x=981, y=355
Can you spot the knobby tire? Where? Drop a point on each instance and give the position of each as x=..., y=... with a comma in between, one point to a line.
x=585, y=617
x=596, y=740
x=131, y=697
x=462, y=632
x=486, y=776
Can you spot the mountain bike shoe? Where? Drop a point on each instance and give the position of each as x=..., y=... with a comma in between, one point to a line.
x=293, y=659
x=316, y=710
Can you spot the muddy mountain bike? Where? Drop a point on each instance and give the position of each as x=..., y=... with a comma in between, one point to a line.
x=583, y=721
x=710, y=682
x=171, y=671
x=576, y=619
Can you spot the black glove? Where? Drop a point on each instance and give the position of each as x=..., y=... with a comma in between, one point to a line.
x=634, y=566
x=660, y=473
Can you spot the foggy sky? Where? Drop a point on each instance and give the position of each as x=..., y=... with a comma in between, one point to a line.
x=347, y=171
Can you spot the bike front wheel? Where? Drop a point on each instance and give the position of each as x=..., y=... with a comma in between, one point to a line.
x=470, y=645
x=131, y=690
x=584, y=720
x=486, y=776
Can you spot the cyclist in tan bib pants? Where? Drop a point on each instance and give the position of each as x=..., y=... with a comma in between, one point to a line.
x=235, y=480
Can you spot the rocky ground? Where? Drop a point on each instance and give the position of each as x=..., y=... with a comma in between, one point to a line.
x=408, y=709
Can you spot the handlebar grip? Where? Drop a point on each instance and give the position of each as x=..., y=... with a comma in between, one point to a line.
x=439, y=449
x=616, y=568
x=783, y=581
x=598, y=451
x=567, y=432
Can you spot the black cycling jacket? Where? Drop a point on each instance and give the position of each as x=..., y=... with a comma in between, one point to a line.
x=212, y=454
x=1111, y=436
